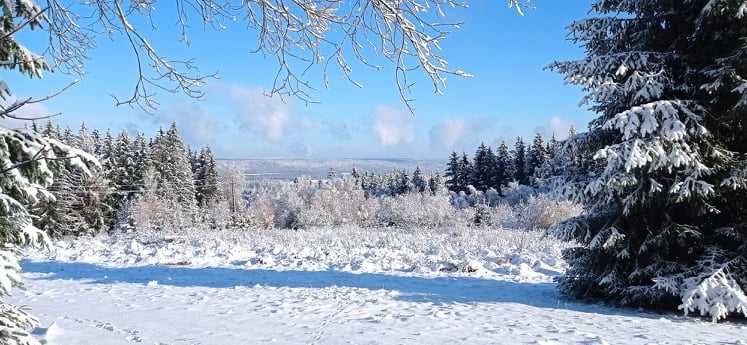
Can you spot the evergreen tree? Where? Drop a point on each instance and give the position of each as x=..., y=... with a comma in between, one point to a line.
x=665, y=219
x=519, y=166
x=23, y=189
x=552, y=147
x=453, y=173
x=79, y=206
x=141, y=162
x=67, y=137
x=403, y=184
x=174, y=173
x=96, y=142
x=435, y=183
x=537, y=155
x=465, y=173
x=85, y=140
x=481, y=168
x=206, y=181
x=107, y=155
x=494, y=174
x=503, y=161
x=418, y=181
x=49, y=130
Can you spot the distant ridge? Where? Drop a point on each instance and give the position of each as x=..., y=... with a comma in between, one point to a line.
x=289, y=168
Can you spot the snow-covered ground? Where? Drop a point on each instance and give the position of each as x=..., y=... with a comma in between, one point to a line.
x=333, y=286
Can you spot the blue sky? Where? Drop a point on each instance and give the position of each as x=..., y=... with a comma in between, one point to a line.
x=511, y=94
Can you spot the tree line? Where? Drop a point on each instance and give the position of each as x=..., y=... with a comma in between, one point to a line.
x=162, y=166
x=495, y=169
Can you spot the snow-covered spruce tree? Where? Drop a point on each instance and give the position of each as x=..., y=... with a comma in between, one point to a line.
x=536, y=155
x=49, y=131
x=666, y=221
x=465, y=173
x=482, y=172
x=174, y=172
x=503, y=162
x=141, y=162
x=122, y=173
x=452, y=173
x=519, y=163
x=80, y=203
x=435, y=184
x=207, y=189
x=28, y=163
x=419, y=182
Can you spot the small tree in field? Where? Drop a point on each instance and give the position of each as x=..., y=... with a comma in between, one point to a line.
x=666, y=218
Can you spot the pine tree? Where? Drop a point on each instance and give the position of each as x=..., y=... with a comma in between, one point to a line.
x=206, y=181
x=503, y=161
x=85, y=140
x=402, y=184
x=79, y=206
x=465, y=173
x=435, y=183
x=68, y=138
x=23, y=189
x=494, y=174
x=665, y=219
x=418, y=181
x=552, y=147
x=481, y=170
x=123, y=176
x=519, y=166
x=96, y=142
x=49, y=131
x=174, y=172
x=453, y=173
x=537, y=155
x=141, y=162
x=107, y=155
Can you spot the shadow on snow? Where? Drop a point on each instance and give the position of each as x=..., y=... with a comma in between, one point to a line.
x=439, y=290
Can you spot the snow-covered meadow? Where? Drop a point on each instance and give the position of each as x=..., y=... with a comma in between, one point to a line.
x=343, y=285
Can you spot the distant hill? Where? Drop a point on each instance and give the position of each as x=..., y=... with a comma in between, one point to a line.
x=282, y=168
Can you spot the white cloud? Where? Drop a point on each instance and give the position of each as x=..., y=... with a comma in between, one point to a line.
x=196, y=126
x=393, y=127
x=560, y=127
x=447, y=133
x=268, y=116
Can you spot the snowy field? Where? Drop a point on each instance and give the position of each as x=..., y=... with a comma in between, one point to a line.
x=323, y=286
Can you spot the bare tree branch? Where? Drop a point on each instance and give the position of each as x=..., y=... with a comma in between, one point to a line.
x=298, y=34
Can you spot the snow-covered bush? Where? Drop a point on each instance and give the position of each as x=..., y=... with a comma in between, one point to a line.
x=157, y=214
x=416, y=210
x=516, y=193
x=543, y=211
x=338, y=202
x=260, y=213
x=502, y=216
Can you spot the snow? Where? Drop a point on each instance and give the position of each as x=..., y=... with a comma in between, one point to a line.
x=372, y=286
